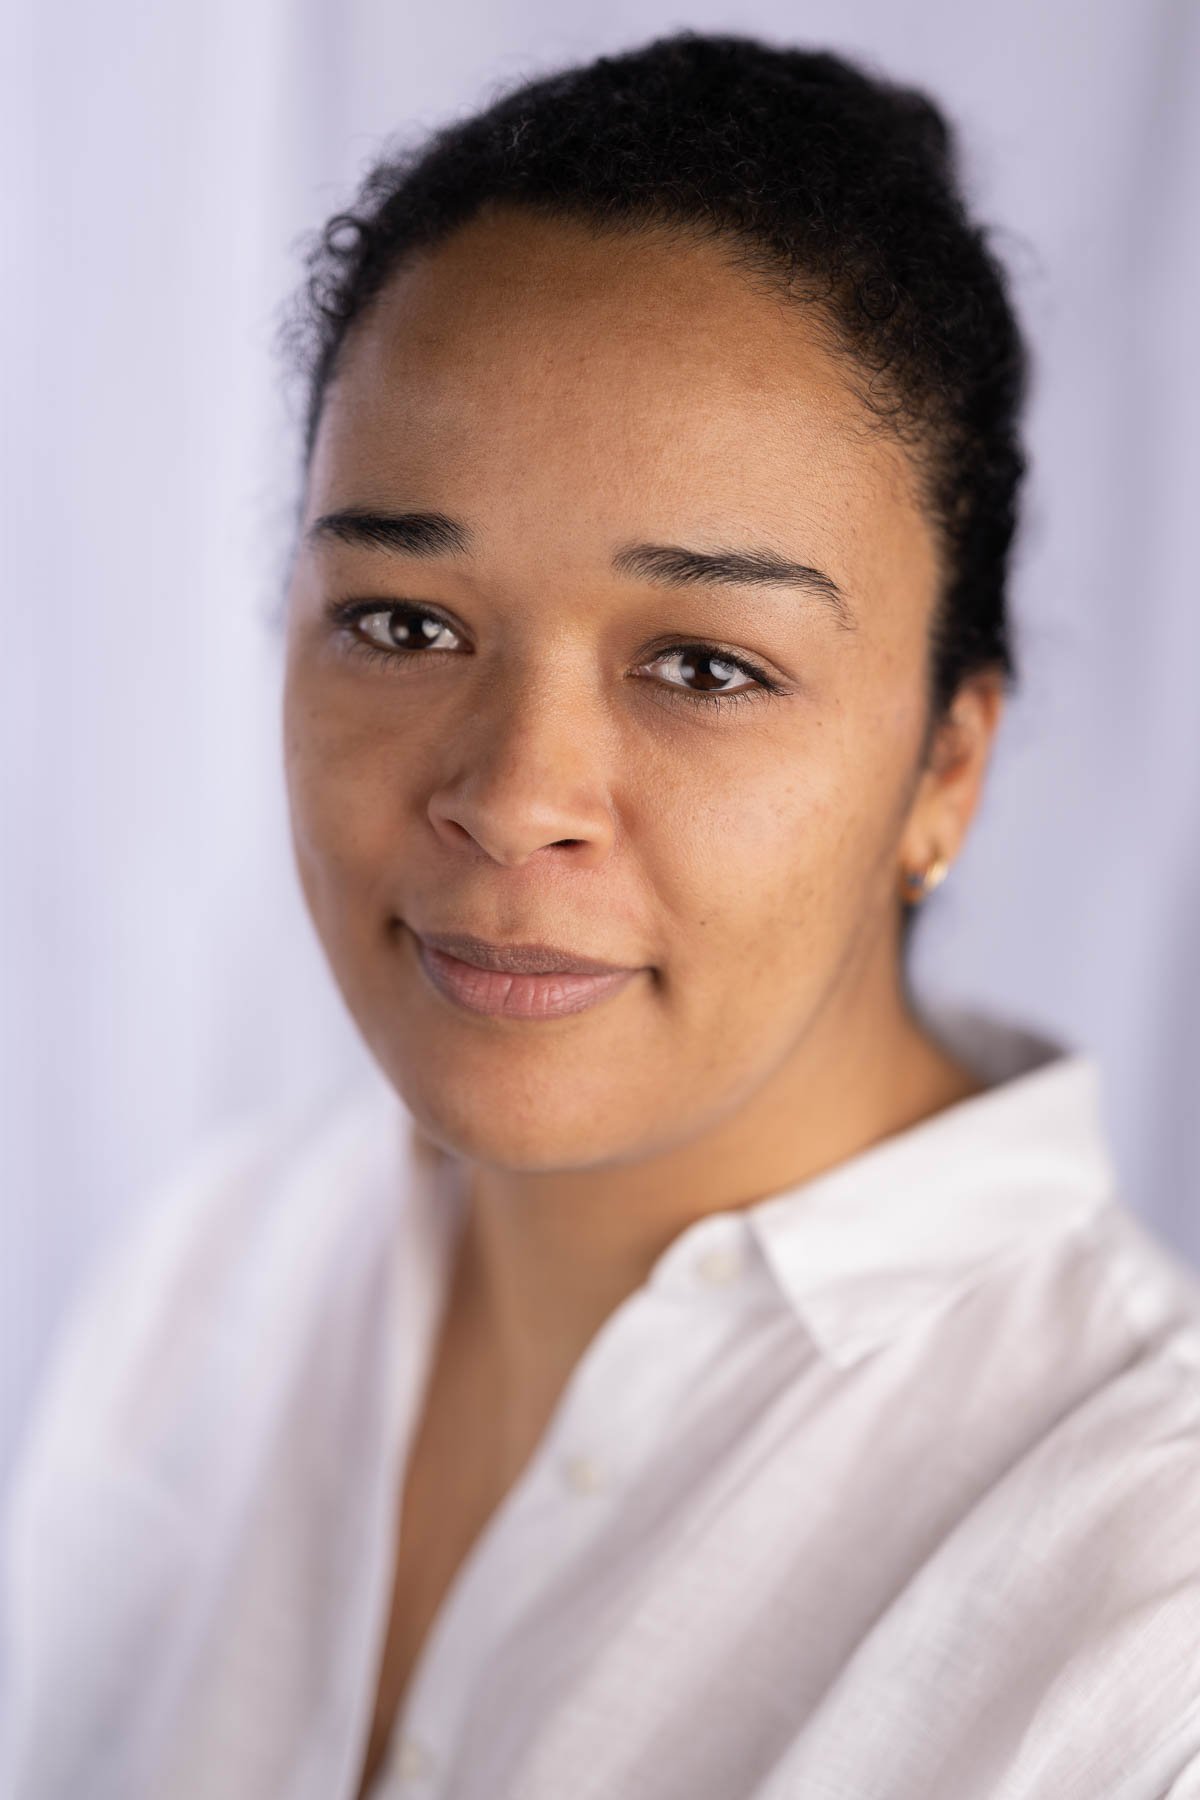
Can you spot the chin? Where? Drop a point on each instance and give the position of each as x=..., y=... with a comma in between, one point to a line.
x=528, y=1147
x=543, y=1124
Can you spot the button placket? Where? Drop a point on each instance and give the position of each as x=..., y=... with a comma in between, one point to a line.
x=716, y=1262
x=604, y=1433
x=541, y=1511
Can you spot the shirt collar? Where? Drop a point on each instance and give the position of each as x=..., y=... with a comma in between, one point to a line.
x=880, y=1239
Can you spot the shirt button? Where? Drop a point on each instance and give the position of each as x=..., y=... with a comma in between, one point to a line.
x=414, y=1761
x=721, y=1263
x=583, y=1474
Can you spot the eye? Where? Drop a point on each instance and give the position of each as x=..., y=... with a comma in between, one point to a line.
x=390, y=631
x=715, y=666
x=398, y=632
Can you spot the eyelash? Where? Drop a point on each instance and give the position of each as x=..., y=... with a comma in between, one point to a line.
x=347, y=614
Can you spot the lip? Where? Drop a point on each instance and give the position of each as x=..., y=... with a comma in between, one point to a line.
x=514, y=994
x=518, y=959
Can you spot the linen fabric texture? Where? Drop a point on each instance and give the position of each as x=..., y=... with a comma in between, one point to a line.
x=885, y=1485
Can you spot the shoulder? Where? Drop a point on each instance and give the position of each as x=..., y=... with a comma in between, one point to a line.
x=206, y=1249
x=186, y=1390
x=1153, y=1292
x=1097, y=1558
x=1057, y=1620
x=1125, y=1445
x=1090, y=1542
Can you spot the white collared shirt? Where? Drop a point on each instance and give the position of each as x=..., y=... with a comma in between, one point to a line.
x=886, y=1487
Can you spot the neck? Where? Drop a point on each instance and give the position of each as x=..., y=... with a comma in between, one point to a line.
x=545, y=1256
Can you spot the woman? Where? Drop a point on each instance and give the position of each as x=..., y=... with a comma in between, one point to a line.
x=697, y=1369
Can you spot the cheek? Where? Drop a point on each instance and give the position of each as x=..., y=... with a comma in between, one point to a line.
x=342, y=806
x=778, y=865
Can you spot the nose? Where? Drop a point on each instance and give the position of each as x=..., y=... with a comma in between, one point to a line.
x=531, y=770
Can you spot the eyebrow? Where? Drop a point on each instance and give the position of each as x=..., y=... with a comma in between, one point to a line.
x=428, y=534
x=672, y=565
x=409, y=534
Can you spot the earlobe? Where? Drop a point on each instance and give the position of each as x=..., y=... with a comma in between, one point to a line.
x=916, y=886
x=954, y=779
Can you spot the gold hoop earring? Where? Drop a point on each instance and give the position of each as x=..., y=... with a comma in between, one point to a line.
x=918, y=887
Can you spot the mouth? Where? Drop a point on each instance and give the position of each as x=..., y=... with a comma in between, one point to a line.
x=516, y=981
x=518, y=959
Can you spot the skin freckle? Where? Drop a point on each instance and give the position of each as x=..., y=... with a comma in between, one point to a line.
x=549, y=770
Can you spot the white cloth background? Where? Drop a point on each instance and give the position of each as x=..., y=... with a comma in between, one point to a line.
x=159, y=972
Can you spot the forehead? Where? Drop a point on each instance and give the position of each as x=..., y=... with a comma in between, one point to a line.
x=546, y=378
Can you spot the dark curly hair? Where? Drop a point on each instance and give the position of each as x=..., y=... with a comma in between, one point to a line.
x=833, y=184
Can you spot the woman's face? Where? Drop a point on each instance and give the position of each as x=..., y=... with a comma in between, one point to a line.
x=543, y=764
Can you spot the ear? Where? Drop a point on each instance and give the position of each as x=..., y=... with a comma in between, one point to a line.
x=950, y=785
